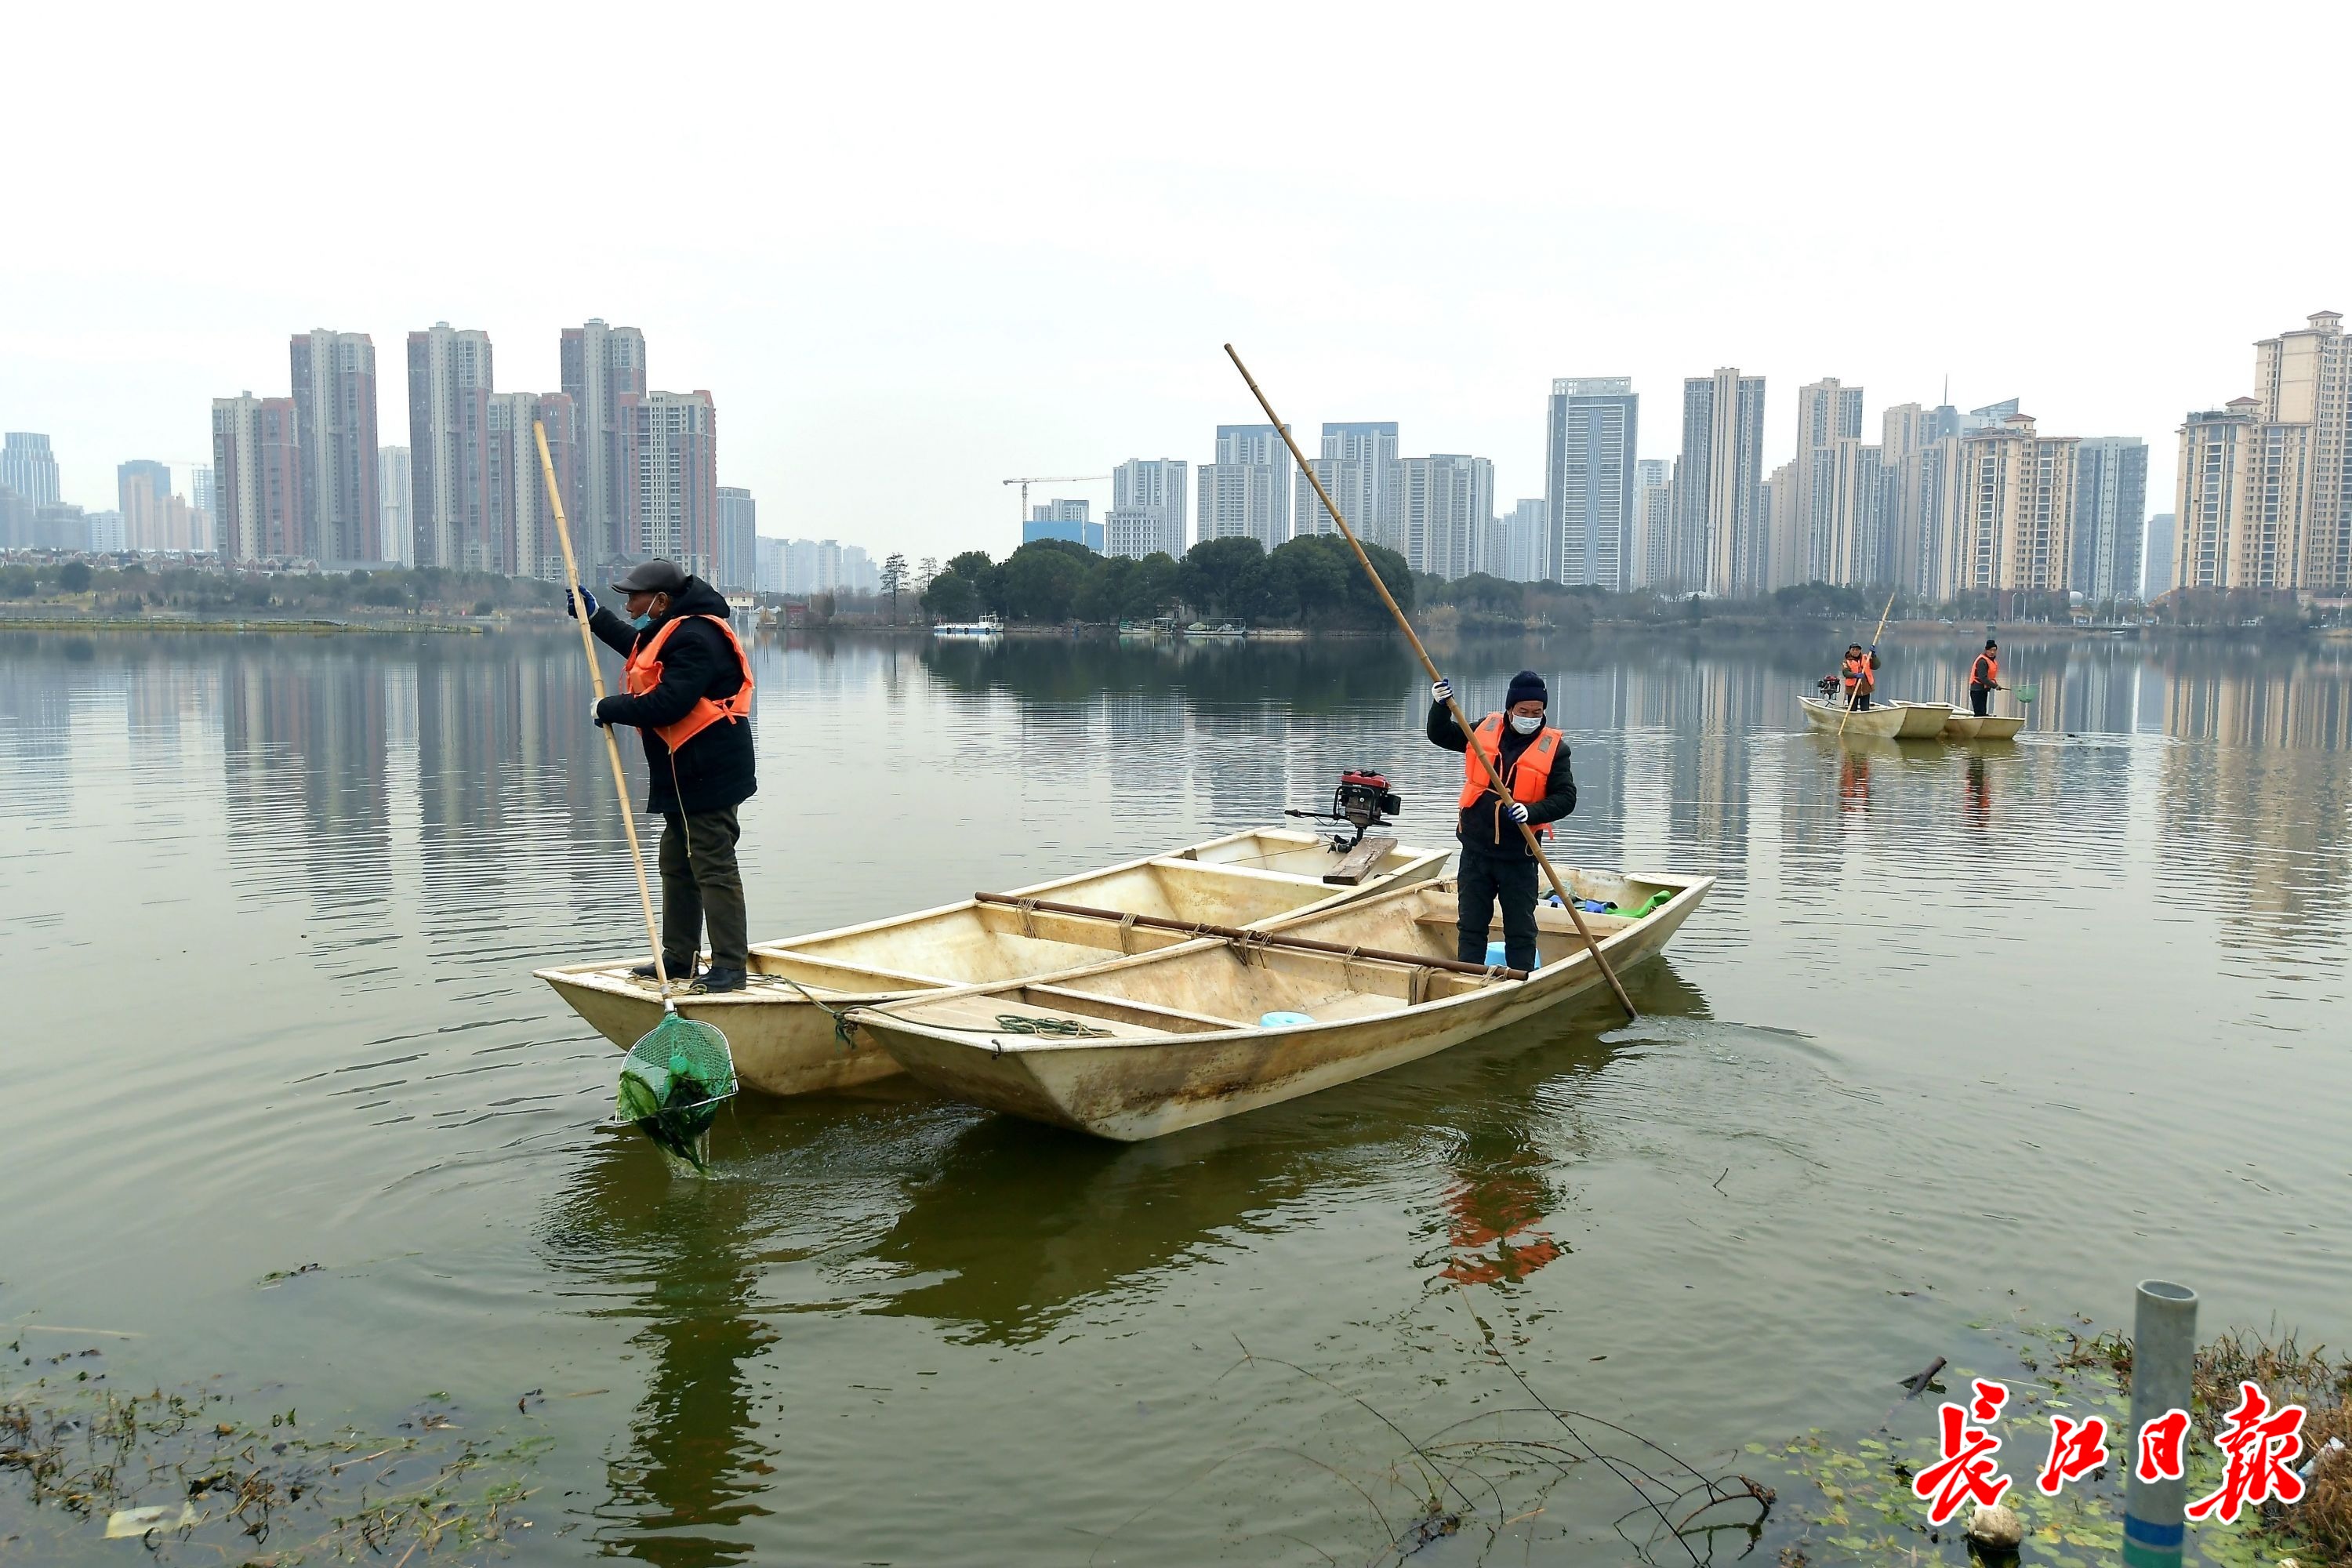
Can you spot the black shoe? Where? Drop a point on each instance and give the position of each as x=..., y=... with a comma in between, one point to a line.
x=716, y=979
x=676, y=971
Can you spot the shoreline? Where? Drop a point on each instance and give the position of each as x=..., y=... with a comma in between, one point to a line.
x=263, y=627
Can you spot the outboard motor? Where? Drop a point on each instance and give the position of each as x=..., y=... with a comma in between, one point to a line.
x=1363, y=800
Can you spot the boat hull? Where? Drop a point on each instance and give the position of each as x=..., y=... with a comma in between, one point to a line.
x=1961, y=726
x=1130, y=1089
x=789, y=1029
x=1921, y=721
x=1831, y=718
x=1994, y=728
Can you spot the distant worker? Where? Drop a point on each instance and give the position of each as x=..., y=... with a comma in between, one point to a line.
x=1984, y=677
x=686, y=688
x=1496, y=865
x=1859, y=674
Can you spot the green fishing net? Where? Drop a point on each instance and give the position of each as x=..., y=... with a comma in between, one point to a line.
x=673, y=1082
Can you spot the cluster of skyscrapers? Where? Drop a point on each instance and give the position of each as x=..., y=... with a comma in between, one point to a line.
x=2264, y=495
x=1941, y=504
x=302, y=478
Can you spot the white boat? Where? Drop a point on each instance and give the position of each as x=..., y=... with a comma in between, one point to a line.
x=1887, y=722
x=986, y=627
x=1989, y=727
x=786, y=1026
x=1152, y=1045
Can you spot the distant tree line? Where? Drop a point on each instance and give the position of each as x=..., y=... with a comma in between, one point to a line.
x=133, y=588
x=1312, y=581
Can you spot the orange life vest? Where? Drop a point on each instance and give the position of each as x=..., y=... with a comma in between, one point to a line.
x=1986, y=671
x=1857, y=672
x=1531, y=775
x=644, y=673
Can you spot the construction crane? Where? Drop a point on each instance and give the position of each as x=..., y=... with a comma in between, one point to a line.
x=1050, y=480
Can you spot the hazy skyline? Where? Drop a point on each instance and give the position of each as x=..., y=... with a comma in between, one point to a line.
x=911, y=253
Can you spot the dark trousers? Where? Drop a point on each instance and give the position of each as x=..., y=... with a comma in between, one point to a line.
x=1485, y=879
x=1979, y=696
x=1857, y=701
x=700, y=882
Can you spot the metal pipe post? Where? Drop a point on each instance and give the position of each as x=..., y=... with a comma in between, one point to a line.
x=2164, y=1350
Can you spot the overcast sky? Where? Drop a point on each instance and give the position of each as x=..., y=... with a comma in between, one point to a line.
x=913, y=250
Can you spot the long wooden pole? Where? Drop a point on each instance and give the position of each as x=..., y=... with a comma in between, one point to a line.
x=1486, y=764
x=1247, y=938
x=596, y=680
x=1852, y=696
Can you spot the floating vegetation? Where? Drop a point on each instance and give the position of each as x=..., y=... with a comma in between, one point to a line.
x=1850, y=1501
x=199, y=1476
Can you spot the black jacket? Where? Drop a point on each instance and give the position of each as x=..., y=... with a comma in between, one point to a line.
x=714, y=770
x=1483, y=827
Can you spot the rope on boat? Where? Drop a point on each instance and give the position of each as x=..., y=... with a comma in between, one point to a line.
x=1028, y=908
x=844, y=1033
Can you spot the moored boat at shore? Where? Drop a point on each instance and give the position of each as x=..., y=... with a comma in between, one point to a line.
x=1152, y=1045
x=787, y=1028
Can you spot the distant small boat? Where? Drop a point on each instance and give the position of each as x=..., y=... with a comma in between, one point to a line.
x=785, y=1028
x=1153, y=1045
x=986, y=627
x=1892, y=721
x=1229, y=629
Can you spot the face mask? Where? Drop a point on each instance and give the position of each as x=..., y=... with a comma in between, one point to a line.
x=1525, y=725
x=644, y=622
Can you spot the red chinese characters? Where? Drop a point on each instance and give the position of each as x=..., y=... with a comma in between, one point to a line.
x=2256, y=1443
x=2077, y=1448
x=1966, y=1471
x=2161, y=1444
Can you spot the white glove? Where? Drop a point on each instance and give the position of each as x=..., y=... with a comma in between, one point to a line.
x=1516, y=812
x=1440, y=690
x=594, y=704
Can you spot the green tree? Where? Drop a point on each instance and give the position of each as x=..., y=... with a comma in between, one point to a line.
x=1211, y=577
x=74, y=577
x=1040, y=584
x=952, y=597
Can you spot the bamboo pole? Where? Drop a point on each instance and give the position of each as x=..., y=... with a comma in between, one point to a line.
x=1852, y=696
x=596, y=680
x=1486, y=763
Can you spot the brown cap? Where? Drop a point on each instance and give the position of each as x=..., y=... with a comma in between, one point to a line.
x=654, y=576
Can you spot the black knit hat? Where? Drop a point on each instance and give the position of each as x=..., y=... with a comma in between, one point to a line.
x=1990, y=644
x=1527, y=687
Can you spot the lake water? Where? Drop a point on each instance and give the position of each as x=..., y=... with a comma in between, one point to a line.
x=1961, y=1036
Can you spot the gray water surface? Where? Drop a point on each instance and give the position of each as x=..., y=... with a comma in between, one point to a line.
x=1961, y=1036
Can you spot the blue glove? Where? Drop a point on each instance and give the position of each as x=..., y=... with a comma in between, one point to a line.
x=1516, y=812
x=1440, y=690
x=572, y=609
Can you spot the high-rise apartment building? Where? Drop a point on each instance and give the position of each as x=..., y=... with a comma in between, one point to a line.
x=2110, y=516
x=518, y=524
x=334, y=399
x=450, y=386
x=1654, y=521
x=603, y=371
x=673, y=461
x=1526, y=531
x=1719, y=486
x=771, y=565
x=1828, y=412
x=2156, y=561
x=142, y=495
x=1918, y=452
x=29, y=467
x=1445, y=499
x=2243, y=498
x=1357, y=467
x=1149, y=499
x=398, y=533
x=200, y=497
x=1590, y=438
x=2013, y=525
x=258, y=478
x=2304, y=377
x=1245, y=493
x=738, y=539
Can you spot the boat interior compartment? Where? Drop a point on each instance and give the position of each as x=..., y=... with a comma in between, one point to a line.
x=1294, y=854
x=971, y=944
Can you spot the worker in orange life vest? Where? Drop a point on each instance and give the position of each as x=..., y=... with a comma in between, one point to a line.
x=1984, y=677
x=1496, y=866
x=1860, y=673
x=686, y=688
